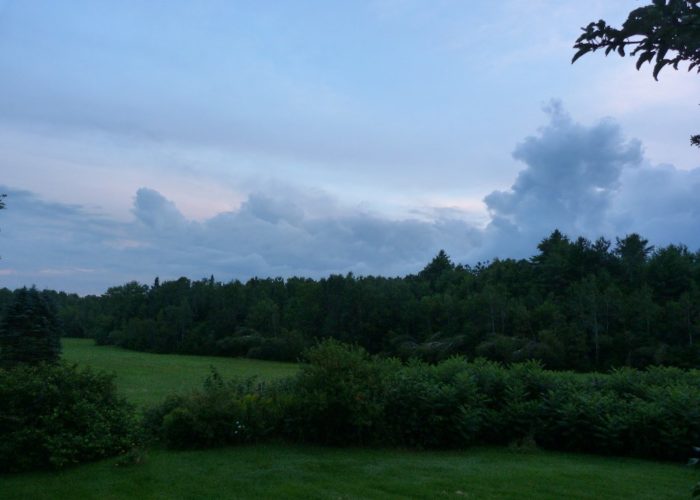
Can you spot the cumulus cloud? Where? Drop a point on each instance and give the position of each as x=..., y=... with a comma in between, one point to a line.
x=571, y=176
x=582, y=179
x=590, y=181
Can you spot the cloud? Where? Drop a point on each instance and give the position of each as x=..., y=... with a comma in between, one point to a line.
x=281, y=233
x=590, y=181
x=571, y=177
x=155, y=211
x=585, y=180
x=661, y=203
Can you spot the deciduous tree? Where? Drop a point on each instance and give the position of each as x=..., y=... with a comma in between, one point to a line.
x=666, y=32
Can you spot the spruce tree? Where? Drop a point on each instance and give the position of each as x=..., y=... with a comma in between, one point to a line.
x=29, y=333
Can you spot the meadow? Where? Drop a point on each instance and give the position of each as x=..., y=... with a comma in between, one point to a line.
x=145, y=378
x=304, y=472
x=293, y=471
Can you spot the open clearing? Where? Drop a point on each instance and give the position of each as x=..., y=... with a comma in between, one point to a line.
x=288, y=471
x=146, y=378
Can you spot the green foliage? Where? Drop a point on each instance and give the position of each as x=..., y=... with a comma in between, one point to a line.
x=433, y=406
x=219, y=414
x=344, y=396
x=55, y=415
x=337, y=396
x=577, y=304
x=29, y=332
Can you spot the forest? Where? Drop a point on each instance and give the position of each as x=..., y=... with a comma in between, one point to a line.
x=575, y=305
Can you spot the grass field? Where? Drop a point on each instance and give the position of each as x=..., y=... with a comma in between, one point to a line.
x=287, y=471
x=284, y=471
x=146, y=378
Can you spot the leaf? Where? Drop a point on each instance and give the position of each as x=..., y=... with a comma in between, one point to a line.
x=645, y=57
x=658, y=66
x=581, y=51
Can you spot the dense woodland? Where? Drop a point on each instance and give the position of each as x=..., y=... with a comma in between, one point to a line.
x=576, y=304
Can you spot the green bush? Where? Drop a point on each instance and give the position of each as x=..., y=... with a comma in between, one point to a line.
x=344, y=396
x=337, y=398
x=221, y=413
x=52, y=416
x=287, y=347
x=433, y=406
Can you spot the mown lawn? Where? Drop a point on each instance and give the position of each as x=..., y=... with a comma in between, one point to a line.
x=285, y=471
x=304, y=472
x=146, y=378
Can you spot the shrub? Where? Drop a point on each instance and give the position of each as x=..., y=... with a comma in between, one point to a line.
x=337, y=398
x=433, y=406
x=52, y=416
x=238, y=345
x=287, y=347
x=344, y=396
x=221, y=413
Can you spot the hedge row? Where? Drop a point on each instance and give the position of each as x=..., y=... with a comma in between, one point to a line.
x=343, y=396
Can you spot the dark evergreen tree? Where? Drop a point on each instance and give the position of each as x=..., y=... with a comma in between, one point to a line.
x=29, y=333
x=439, y=267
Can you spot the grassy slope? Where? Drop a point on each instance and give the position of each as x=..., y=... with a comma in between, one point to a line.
x=146, y=378
x=276, y=471
x=285, y=471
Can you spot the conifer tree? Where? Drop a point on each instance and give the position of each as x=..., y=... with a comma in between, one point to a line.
x=29, y=333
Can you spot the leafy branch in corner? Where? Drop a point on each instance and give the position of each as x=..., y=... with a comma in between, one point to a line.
x=665, y=33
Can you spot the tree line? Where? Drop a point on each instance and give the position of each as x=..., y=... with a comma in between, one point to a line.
x=577, y=304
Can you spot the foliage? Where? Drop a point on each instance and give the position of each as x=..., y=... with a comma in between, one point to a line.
x=666, y=32
x=55, y=415
x=344, y=396
x=218, y=414
x=29, y=332
x=576, y=304
x=433, y=406
x=337, y=396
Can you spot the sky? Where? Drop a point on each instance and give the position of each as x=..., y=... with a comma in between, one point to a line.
x=241, y=138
